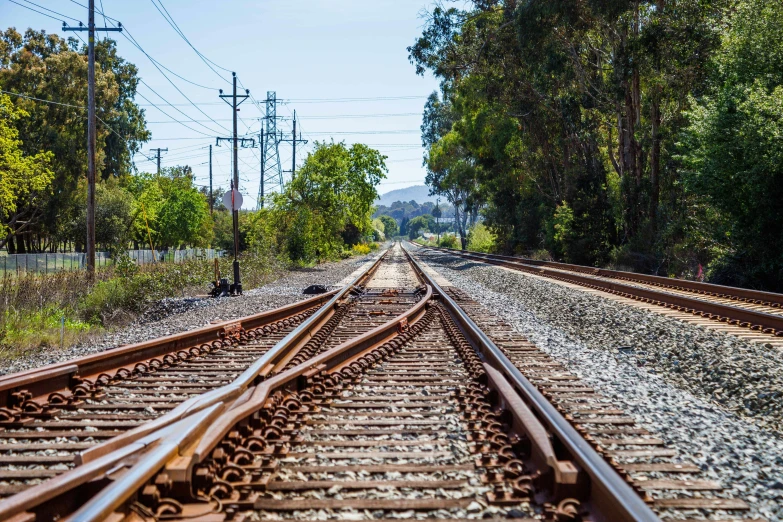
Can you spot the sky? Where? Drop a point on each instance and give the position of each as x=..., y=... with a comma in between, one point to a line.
x=342, y=65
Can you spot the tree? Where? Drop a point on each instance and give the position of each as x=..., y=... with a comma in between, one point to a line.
x=390, y=228
x=114, y=215
x=24, y=179
x=576, y=105
x=173, y=208
x=326, y=205
x=420, y=224
x=50, y=68
x=734, y=154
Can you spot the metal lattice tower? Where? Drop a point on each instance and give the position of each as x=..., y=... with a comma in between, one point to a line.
x=271, y=169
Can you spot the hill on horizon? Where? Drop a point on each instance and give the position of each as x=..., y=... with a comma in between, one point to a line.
x=417, y=193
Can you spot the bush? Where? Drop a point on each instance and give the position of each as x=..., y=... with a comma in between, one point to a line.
x=541, y=255
x=360, y=249
x=448, y=241
x=480, y=239
x=374, y=246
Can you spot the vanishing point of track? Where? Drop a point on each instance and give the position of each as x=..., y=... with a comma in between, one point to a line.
x=394, y=397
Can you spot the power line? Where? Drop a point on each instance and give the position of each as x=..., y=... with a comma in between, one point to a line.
x=176, y=28
x=50, y=102
x=51, y=11
x=159, y=67
x=41, y=13
x=352, y=100
x=167, y=114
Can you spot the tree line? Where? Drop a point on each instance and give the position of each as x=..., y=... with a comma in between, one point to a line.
x=641, y=134
x=323, y=211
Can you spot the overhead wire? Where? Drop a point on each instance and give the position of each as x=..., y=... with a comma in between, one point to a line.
x=176, y=28
x=45, y=9
x=50, y=102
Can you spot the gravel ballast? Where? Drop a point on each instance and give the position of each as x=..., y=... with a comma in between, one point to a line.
x=661, y=371
x=175, y=315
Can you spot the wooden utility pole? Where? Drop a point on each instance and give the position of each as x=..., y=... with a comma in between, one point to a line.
x=91, y=126
x=294, y=140
x=235, y=182
x=211, y=200
x=157, y=152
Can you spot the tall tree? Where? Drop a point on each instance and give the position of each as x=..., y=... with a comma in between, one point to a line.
x=24, y=179
x=54, y=70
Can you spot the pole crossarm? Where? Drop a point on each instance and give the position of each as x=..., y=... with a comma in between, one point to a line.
x=82, y=27
x=243, y=142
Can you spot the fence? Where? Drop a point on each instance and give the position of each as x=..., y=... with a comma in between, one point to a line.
x=46, y=263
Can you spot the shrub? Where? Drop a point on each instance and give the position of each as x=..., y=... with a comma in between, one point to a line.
x=541, y=255
x=360, y=249
x=480, y=239
x=448, y=241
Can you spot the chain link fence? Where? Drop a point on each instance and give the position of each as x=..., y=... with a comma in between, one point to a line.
x=46, y=263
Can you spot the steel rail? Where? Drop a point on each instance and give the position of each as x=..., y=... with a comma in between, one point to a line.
x=205, y=435
x=610, y=494
x=292, y=341
x=731, y=292
x=768, y=323
x=43, y=381
x=95, y=461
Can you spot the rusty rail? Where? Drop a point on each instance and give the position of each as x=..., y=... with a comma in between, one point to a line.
x=95, y=461
x=609, y=493
x=730, y=292
x=191, y=441
x=767, y=323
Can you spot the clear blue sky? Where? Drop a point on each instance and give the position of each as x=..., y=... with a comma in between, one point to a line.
x=321, y=58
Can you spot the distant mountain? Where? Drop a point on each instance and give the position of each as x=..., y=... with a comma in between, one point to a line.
x=417, y=193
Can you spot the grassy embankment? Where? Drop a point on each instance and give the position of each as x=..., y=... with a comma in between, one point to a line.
x=39, y=312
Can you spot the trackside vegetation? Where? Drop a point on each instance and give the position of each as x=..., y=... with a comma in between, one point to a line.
x=640, y=134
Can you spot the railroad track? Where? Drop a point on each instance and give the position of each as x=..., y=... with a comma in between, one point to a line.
x=51, y=416
x=751, y=310
x=397, y=406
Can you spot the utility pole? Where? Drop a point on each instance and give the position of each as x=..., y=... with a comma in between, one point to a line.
x=91, y=126
x=211, y=200
x=235, y=181
x=293, y=141
x=157, y=152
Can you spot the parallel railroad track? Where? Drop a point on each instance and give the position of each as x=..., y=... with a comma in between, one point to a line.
x=406, y=409
x=755, y=310
x=50, y=415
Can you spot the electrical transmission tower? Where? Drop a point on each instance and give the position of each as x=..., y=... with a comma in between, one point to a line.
x=271, y=169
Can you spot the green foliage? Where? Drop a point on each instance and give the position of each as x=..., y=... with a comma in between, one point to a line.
x=390, y=228
x=480, y=239
x=404, y=211
x=378, y=230
x=114, y=214
x=417, y=225
x=448, y=241
x=740, y=171
x=641, y=133
x=170, y=211
x=561, y=230
x=23, y=178
x=326, y=206
x=48, y=67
